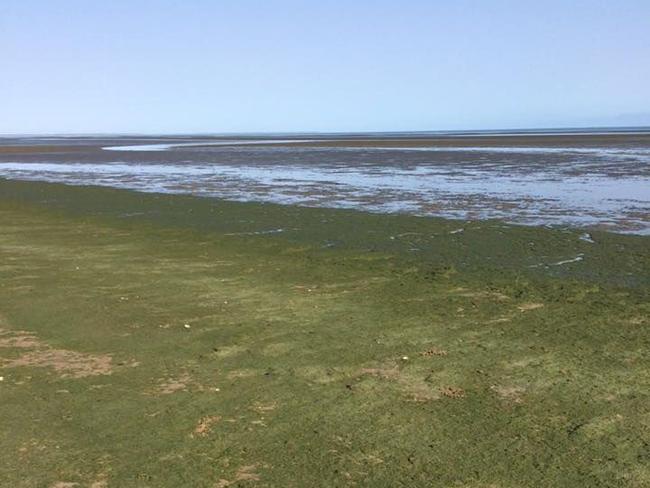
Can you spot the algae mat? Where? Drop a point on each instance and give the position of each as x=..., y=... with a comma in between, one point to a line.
x=156, y=340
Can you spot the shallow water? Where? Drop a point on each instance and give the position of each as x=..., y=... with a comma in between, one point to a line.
x=597, y=185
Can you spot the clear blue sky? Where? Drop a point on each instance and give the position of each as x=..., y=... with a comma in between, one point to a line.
x=271, y=65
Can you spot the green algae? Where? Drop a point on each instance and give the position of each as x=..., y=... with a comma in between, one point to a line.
x=350, y=349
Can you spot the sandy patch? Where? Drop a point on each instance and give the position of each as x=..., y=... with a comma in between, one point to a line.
x=387, y=373
x=172, y=385
x=228, y=351
x=264, y=407
x=434, y=351
x=466, y=293
x=414, y=387
x=245, y=473
x=100, y=482
x=452, y=392
x=18, y=339
x=499, y=320
x=204, y=427
x=321, y=374
x=637, y=320
x=69, y=364
x=242, y=373
x=509, y=393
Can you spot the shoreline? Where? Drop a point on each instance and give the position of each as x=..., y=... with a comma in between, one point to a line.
x=356, y=229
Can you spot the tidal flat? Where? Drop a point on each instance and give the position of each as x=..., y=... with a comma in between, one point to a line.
x=157, y=340
x=595, y=179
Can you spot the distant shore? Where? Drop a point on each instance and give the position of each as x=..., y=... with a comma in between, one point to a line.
x=631, y=138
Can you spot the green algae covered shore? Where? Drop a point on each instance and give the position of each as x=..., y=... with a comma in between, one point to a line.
x=165, y=341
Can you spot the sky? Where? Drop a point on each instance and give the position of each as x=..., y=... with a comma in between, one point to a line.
x=188, y=66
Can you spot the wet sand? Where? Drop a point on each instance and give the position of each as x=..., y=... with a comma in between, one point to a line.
x=591, y=180
x=641, y=138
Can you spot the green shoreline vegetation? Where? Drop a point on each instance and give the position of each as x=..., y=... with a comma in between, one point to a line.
x=166, y=340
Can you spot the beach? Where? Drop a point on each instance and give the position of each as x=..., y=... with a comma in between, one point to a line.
x=325, y=244
x=163, y=339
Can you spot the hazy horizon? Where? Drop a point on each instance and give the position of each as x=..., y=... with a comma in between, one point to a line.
x=497, y=131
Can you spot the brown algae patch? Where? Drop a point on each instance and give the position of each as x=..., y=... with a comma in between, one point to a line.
x=69, y=364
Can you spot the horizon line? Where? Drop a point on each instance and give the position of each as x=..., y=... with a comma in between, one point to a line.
x=543, y=130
